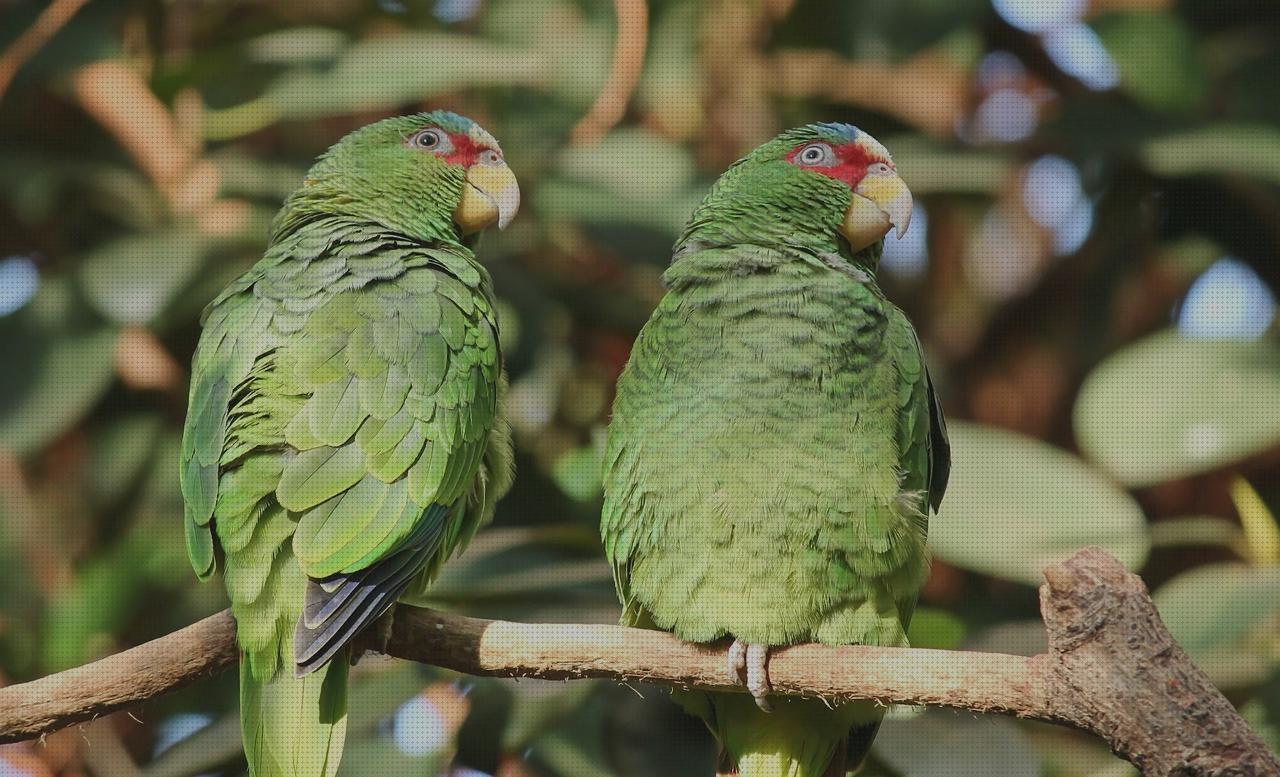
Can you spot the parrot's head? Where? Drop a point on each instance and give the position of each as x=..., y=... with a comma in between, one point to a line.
x=431, y=175
x=823, y=187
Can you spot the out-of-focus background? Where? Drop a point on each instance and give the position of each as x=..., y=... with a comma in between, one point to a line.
x=1092, y=268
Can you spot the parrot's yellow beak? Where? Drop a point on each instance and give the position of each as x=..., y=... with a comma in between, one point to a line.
x=880, y=202
x=489, y=195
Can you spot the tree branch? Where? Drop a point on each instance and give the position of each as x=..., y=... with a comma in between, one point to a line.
x=624, y=73
x=1112, y=669
x=52, y=19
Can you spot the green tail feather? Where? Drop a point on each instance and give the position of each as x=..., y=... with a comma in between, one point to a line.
x=295, y=726
x=800, y=738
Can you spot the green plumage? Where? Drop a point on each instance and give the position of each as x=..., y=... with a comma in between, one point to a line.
x=773, y=453
x=343, y=428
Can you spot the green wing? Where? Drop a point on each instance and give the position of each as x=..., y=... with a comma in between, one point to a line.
x=223, y=361
x=924, y=452
x=345, y=401
x=621, y=517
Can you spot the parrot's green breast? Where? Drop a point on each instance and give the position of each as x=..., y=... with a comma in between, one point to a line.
x=776, y=445
x=756, y=485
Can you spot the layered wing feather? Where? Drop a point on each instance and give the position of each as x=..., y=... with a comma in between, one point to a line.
x=925, y=453
x=344, y=397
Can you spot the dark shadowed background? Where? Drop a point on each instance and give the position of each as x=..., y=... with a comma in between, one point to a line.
x=1092, y=268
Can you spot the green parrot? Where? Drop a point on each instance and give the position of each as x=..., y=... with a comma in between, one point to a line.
x=343, y=436
x=776, y=444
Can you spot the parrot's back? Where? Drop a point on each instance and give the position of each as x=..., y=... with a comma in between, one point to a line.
x=342, y=442
x=769, y=479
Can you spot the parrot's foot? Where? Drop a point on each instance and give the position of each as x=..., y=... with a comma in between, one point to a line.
x=752, y=661
x=379, y=636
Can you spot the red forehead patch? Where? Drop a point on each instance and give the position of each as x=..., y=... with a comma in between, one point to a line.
x=851, y=164
x=465, y=150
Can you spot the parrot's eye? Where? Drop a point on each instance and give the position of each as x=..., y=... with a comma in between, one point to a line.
x=880, y=168
x=817, y=155
x=432, y=140
x=490, y=156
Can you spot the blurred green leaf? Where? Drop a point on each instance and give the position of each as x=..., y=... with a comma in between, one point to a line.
x=577, y=472
x=133, y=279
x=1242, y=150
x=242, y=175
x=930, y=168
x=1215, y=611
x=294, y=45
x=568, y=757
x=119, y=453
x=43, y=187
x=380, y=741
x=380, y=687
x=935, y=628
x=213, y=746
x=1168, y=406
x=1015, y=504
x=513, y=573
x=648, y=735
x=523, y=581
x=1263, y=713
x=20, y=646
x=1020, y=638
x=56, y=368
x=1258, y=523
x=66, y=379
x=539, y=706
x=379, y=74
x=83, y=617
x=670, y=84
x=668, y=167
x=948, y=744
x=1197, y=530
x=588, y=188
x=1158, y=58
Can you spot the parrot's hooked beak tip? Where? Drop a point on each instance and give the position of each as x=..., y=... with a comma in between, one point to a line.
x=507, y=201
x=880, y=203
x=490, y=195
x=899, y=214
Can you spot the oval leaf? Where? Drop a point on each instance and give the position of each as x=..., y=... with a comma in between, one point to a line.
x=943, y=744
x=1171, y=406
x=50, y=384
x=1214, y=611
x=1015, y=505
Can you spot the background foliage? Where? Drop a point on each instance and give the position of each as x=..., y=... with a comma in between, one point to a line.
x=1091, y=270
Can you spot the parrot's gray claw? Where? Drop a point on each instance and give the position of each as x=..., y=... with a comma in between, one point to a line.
x=737, y=661
x=753, y=662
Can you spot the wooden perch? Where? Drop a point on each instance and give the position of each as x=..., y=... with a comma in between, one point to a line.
x=1112, y=669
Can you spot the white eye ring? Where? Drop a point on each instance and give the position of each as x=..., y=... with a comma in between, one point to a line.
x=817, y=155
x=879, y=168
x=490, y=156
x=432, y=140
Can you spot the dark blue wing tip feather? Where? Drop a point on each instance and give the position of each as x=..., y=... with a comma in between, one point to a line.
x=340, y=606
